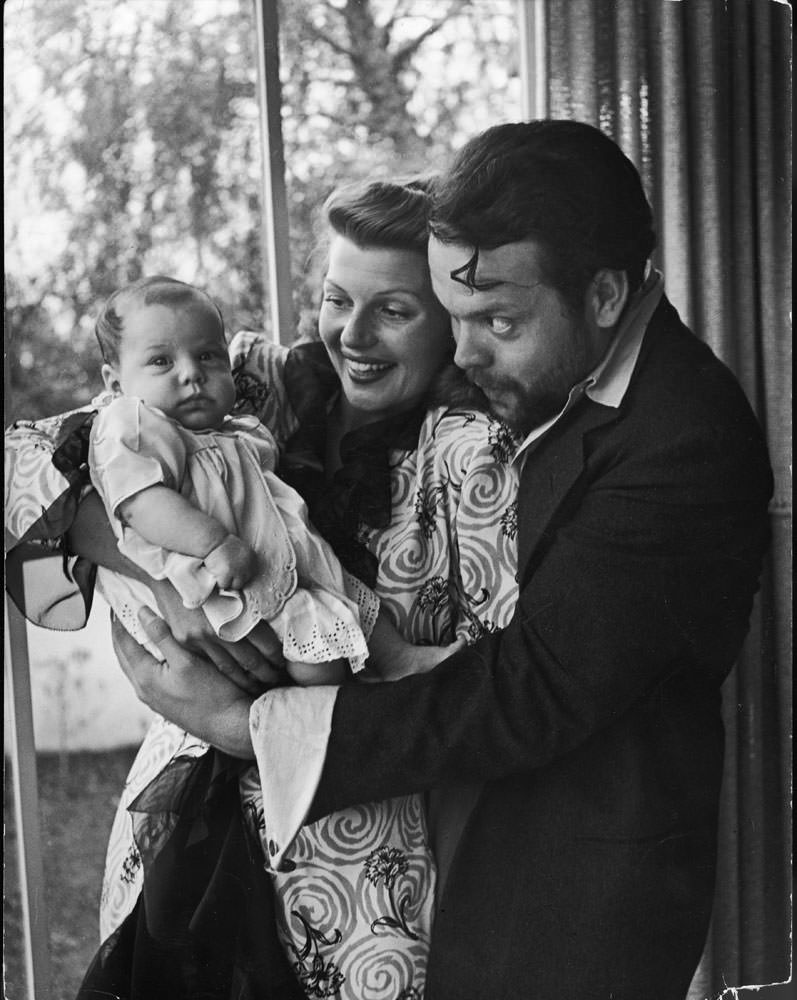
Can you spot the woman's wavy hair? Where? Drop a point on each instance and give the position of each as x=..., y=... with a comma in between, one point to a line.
x=562, y=183
x=394, y=214
x=155, y=290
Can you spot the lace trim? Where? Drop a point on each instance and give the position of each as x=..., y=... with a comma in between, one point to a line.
x=366, y=600
x=343, y=641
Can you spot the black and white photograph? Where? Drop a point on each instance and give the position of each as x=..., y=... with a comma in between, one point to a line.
x=398, y=500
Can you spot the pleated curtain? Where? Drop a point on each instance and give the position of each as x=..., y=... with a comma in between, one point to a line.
x=697, y=92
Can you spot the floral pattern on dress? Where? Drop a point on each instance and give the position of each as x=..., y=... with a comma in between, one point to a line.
x=387, y=865
x=433, y=595
x=427, y=501
x=319, y=978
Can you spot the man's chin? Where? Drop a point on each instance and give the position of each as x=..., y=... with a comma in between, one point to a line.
x=507, y=413
x=523, y=419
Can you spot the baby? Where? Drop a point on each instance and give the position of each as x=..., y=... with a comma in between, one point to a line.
x=192, y=495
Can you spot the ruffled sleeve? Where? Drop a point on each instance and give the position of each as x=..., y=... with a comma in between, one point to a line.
x=132, y=448
x=258, y=367
x=46, y=475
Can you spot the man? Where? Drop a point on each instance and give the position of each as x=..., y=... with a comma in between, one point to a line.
x=585, y=867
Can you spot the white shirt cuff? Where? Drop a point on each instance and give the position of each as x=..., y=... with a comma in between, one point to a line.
x=290, y=729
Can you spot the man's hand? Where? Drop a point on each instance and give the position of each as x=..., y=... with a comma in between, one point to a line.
x=232, y=564
x=259, y=654
x=187, y=689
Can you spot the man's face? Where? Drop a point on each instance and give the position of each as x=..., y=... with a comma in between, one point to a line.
x=516, y=337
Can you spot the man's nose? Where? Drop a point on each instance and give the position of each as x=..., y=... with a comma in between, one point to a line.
x=358, y=330
x=469, y=352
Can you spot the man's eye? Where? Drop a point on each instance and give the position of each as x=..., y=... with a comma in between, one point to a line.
x=499, y=324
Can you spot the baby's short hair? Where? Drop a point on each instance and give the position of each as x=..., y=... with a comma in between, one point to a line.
x=156, y=290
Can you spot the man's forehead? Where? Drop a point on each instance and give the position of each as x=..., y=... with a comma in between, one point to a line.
x=509, y=264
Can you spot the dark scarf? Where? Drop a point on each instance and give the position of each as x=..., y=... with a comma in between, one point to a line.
x=204, y=925
x=359, y=491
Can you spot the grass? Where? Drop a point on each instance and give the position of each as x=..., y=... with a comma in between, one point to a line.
x=78, y=793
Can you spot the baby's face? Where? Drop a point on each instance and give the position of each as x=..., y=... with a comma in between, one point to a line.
x=175, y=359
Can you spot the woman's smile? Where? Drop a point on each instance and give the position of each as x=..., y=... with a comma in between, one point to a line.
x=362, y=370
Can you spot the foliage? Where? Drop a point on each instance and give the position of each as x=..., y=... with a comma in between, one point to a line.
x=132, y=147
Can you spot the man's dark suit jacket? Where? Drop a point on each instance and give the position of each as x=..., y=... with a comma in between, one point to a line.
x=587, y=867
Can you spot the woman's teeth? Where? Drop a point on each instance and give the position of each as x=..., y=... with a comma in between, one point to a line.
x=366, y=368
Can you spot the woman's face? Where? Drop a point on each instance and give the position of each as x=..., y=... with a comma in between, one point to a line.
x=386, y=334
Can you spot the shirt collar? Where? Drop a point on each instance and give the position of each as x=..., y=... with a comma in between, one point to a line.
x=608, y=382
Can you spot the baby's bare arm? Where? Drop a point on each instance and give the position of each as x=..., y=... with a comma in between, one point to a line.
x=164, y=517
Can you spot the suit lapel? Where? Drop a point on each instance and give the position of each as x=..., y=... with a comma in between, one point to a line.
x=550, y=472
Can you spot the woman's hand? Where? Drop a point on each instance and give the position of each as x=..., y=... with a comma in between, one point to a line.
x=187, y=689
x=259, y=654
x=392, y=657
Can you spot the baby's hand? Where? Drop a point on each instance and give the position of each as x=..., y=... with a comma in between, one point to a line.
x=232, y=564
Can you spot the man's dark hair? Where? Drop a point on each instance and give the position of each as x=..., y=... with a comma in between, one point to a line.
x=156, y=290
x=562, y=183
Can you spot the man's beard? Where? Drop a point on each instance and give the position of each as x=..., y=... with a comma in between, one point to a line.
x=523, y=410
x=527, y=406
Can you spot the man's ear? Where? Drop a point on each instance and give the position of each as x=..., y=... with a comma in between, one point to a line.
x=608, y=296
x=110, y=377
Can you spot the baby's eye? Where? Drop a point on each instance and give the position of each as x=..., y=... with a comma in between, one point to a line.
x=160, y=360
x=499, y=325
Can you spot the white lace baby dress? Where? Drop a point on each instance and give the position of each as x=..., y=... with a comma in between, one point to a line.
x=300, y=588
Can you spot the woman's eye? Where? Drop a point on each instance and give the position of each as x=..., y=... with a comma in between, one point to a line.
x=337, y=301
x=499, y=324
x=395, y=312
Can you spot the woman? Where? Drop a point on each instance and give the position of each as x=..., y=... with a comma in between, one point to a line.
x=412, y=485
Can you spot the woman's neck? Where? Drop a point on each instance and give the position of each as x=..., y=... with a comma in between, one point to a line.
x=346, y=418
x=342, y=420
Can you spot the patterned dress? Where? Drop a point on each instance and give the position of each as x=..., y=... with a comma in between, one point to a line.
x=436, y=530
